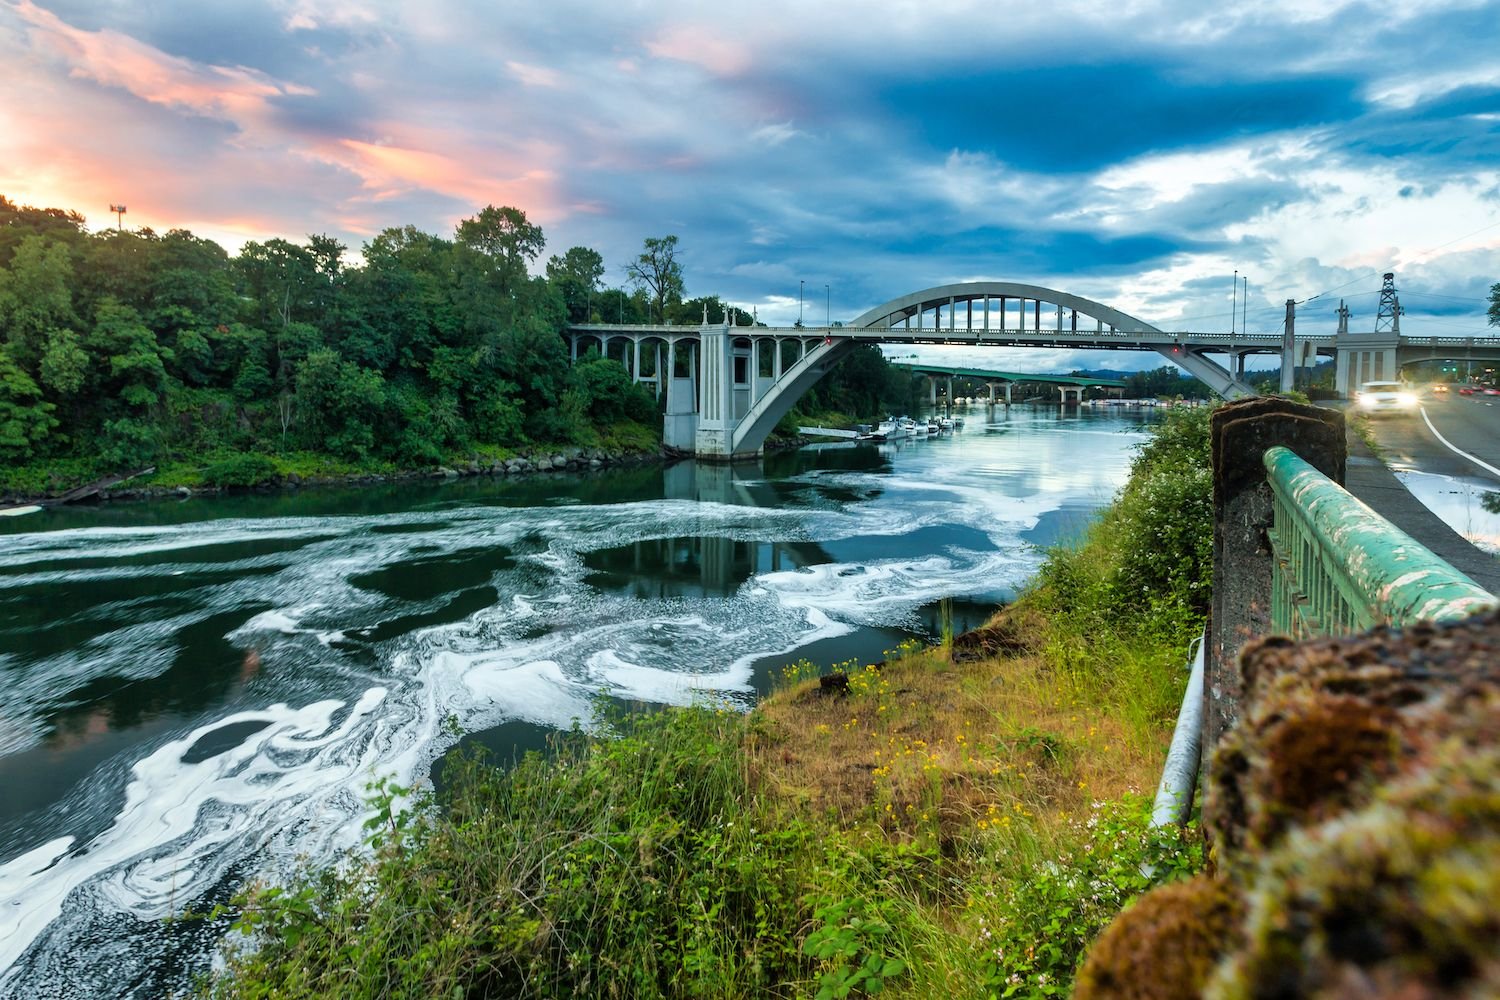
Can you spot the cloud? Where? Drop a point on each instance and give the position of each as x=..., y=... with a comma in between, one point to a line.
x=1135, y=151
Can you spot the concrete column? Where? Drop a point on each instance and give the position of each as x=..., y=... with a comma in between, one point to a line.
x=989, y=387
x=931, y=391
x=952, y=313
x=969, y=323
x=573, y=341
x=986, y=313
x=680, y=423
x=1007, y=393
x=635, y=372
x=714, y=438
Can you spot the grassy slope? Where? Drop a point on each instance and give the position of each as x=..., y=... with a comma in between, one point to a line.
x=960, y=822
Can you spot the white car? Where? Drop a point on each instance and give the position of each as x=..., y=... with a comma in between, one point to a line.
x=1385, y=397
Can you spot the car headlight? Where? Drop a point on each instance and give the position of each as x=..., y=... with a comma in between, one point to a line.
x=1367, y=401
x=1406, y=399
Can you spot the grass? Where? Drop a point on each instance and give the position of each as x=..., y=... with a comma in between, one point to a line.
x=956, y=821
x=947, y=826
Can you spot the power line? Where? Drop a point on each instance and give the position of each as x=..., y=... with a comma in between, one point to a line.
x=1413, y=260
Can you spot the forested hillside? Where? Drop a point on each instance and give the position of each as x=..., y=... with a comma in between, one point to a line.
x=120, y=349
x=126, y=348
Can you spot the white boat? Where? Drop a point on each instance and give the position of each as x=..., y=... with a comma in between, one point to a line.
x=907, y=426
x=933, y=427
x=945, y=424
x=885, y=430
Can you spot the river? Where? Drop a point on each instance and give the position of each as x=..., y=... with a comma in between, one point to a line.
x=196, y=693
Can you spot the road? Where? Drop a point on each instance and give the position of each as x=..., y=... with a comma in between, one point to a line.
x=1469, y=423
x=1438, y=495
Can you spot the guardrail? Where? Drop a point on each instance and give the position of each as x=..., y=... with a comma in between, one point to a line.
x=1339, y=567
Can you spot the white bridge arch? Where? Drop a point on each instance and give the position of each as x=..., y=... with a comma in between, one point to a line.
x=727, y=386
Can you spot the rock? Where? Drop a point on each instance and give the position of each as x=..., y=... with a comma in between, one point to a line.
x=473, y=468
x=184, y=492
x=594, y=463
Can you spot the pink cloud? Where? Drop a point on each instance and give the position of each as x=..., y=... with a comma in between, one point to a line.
x=701, y=47
x=388, y=170
x=111, y=59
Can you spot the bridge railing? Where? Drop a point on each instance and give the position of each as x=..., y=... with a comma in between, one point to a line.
x=1338, y=567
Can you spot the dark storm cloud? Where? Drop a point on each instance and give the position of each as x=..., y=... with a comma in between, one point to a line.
x=1079, y=118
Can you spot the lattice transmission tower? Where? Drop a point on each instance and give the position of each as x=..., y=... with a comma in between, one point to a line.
x=1388, y=317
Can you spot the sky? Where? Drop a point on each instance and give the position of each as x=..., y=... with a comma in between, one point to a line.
x=1137, y=153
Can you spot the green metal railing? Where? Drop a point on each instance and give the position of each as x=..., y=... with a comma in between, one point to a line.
x=1339, y=567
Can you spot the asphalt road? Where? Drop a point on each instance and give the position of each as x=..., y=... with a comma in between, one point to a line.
x=1469, y=423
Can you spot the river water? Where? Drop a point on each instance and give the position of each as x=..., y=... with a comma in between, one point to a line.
x=196, y=693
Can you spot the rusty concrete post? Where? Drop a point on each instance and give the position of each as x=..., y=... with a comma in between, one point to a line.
x=1241, y=606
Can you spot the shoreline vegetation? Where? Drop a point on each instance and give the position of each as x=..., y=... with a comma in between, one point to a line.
x=958, y=820
x=123, y=350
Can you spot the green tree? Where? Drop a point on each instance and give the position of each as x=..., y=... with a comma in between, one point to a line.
x=576, y=276
x=1495, y=304
x=658, y=271
x=505, y=237
x=341, y=405
x=64, y=367
x=35, y=298
x=25, y=419
x=131, y=363
x=20, y=221
x=605, y=392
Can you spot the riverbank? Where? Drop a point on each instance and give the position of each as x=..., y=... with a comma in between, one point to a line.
x=262, y=473
x=952, y=821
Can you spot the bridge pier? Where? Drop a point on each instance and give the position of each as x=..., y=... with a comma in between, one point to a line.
x=680, y=423
x=1363, y=357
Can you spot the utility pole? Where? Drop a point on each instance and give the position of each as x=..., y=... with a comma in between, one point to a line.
x=801, y=287
x=1289, y=348
x=1233, y=304
x=827, y=307
x=119, y=211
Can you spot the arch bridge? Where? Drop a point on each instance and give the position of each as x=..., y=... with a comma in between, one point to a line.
x=727, y=386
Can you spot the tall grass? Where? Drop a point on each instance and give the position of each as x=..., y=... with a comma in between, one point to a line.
x=936, y=826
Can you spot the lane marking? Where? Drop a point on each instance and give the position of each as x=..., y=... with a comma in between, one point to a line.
x=1451, y=447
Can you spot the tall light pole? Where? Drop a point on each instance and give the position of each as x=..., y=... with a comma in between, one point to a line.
x=801, y=285
x=827, y=307
x=119, y=211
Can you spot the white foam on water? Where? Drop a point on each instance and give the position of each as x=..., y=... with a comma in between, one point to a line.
x=176, y=857
x=542, y=652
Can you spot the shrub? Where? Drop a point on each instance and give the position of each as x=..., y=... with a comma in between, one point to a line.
x=1049, y=914
x=241, y=471
x=631, y=866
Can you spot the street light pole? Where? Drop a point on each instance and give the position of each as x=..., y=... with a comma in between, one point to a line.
x=801, y=284
x=827, y=307
x=119, y=211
